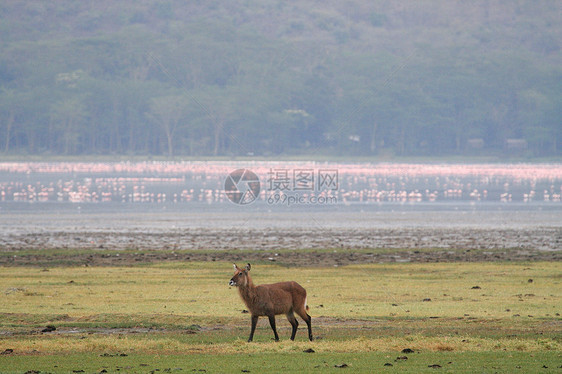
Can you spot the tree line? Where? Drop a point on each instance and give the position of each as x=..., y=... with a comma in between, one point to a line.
x=215, y=79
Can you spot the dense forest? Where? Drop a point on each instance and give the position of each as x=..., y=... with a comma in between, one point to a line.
x=274, y=78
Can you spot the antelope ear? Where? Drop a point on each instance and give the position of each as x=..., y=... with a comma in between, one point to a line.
x=235, y=267
x=248, y=267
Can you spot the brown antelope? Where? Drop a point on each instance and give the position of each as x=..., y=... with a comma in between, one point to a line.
x=272, y=299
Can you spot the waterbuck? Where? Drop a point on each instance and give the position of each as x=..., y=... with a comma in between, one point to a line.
x=270, y=300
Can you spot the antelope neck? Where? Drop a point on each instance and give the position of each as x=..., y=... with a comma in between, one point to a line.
x=247, y=288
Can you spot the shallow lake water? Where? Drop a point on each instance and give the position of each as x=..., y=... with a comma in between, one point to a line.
x=127, y=205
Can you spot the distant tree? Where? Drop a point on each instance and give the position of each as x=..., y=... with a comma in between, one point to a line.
x=68, y=116
x=8, y=105
x=169, y=113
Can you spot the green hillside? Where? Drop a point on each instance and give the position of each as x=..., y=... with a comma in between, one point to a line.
x=268, y=78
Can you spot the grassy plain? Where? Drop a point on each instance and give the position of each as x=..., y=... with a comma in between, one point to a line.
x=486, y=317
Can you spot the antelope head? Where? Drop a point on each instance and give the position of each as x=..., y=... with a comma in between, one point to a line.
x=240, y=277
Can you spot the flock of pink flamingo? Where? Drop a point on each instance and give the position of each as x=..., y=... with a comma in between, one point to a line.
x=165, y=182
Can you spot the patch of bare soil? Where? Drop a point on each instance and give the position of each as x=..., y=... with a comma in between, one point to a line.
x=319, y=322
x=308, y=258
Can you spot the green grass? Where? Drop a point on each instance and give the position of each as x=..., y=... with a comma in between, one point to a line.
x=297, y=362
x=184, y=315
x=373, y=291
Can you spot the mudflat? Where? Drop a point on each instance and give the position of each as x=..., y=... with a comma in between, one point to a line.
x=122, y=234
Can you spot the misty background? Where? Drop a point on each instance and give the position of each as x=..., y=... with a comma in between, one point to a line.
x=281, y=78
